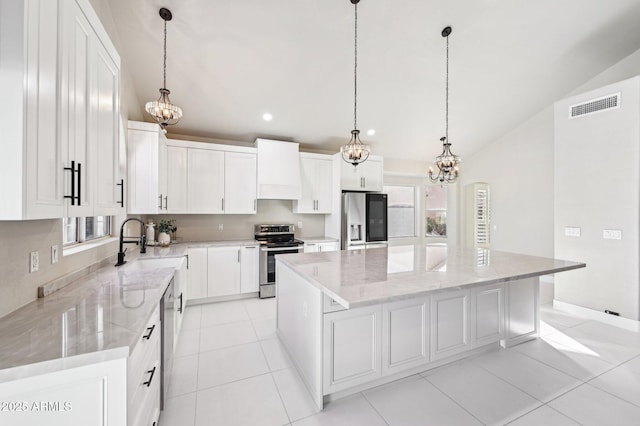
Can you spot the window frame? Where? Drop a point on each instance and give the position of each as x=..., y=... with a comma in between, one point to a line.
x=427, y=210
x=416, y=209
x=81, y=230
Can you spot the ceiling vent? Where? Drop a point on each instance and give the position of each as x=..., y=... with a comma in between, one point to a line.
x=595, y=105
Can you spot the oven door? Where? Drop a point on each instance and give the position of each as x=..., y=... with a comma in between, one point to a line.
x=268, y=262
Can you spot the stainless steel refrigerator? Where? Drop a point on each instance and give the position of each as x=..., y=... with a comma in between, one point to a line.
x=364, y=220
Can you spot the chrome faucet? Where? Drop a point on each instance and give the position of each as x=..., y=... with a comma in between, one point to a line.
x=142, y=241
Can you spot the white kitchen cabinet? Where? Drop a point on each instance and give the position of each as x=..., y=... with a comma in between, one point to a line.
x=223, y=278
x=240, y=195
x=405, y=334
x=487, y=314
x=366, y=176
x=144, y=375
x=315, y=174
x=180, y=286
x=351, y=347
x=320, y=246
x=278, y=171
x=197, y=273
x=311, y=248
x=249, y=269
x=205, y=181
x=449, y=324
x=522, y=309
x=176, y=198
x=60, y=83
x=147, y=164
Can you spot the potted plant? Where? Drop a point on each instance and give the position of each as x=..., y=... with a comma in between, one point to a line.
x=165, y=228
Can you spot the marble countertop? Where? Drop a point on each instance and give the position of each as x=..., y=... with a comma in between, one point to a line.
x=363, y=277
x=318, y=239
x=101, y=312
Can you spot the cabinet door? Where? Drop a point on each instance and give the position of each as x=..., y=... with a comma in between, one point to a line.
x=372, y=172
x=197, y=273
x=142, y=178
x=323, y=183
x=487, y=314
x=180, y=285
x=352, y=347
x=240, y=195
x=205, y=182
x=350, y=176
x=249, y=272
x=311, y=248
x=523, y=310
x=405, y=334
x=307, y=201
x=176, y=198
x=45, y=150
x=333, y=246
x=78, y=78
x=223, y=276
x=449, y=324
x=105, y=128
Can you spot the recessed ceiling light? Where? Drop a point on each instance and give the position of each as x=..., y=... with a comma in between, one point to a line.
x=371, y=132
x=267, y=117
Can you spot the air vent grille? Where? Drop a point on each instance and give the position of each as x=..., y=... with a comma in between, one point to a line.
x=595, y=105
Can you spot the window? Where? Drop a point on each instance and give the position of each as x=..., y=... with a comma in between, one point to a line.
x=81, y=229
x=401, y=211
x=436, y=211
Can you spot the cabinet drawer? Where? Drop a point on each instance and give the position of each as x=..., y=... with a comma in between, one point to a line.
x=144, y=407
x=149, y=339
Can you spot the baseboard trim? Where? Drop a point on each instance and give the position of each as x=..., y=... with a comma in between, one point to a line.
x=592, y=314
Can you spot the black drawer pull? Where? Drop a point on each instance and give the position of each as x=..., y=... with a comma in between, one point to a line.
x=148, y=336
x=180, y=308
x=148, y=382
x=121, y=185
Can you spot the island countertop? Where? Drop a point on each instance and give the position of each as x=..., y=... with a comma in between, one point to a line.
x=363, y=277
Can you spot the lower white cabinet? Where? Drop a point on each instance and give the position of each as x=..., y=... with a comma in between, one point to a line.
x=144, y=375
x=522, y=321
x=316, y=247
x=222, y=271
x=405, y=334
x=487, y=314
x=449, y=324
x=180, y=286
x=352, y=347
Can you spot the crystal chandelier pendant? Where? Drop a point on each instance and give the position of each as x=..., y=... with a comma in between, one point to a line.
x=355, y=152
x=162, y=110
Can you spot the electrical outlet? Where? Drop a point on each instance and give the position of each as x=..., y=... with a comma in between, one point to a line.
x=220, y=227
x=33, y=262
x=54, y=254
x=612, y=234
x=572, y=232
x=300, y=225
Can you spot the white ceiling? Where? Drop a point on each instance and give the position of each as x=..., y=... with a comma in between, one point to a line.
x=230, y=61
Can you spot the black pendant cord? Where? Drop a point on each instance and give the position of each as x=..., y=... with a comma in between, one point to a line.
x=164, y=68
x=355, y=70
x=446, y=133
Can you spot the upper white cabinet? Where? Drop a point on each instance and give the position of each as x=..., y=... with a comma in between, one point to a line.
x=240, y=195
x=205, y=181
x=147, y=161
x=60, y=80
x=315, y=174
x=366, y=176
x=278, y=170
x=176, y=199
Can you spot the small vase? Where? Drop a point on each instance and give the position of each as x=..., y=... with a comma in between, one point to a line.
x=164, y=239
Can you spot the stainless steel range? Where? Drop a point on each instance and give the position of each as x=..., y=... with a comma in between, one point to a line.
x=274, y=240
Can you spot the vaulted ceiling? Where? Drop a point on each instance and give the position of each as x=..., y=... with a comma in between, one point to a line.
x=230, y=61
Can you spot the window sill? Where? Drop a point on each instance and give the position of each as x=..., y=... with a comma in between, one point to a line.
x=87, y=245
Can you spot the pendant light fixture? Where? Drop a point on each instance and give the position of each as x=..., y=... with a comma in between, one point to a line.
x=355, y=152
x=447, y=162
x=162, y=110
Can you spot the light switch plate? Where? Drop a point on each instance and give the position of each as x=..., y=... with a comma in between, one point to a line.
x=612, y=234
x=220, y=227
x=33, y=262
x=54, y=253
x=572, y=231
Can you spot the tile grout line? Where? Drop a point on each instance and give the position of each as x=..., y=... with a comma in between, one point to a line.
x=374, y=408
x=452, y=399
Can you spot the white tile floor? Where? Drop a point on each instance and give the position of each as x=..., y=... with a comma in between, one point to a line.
x=230, y=369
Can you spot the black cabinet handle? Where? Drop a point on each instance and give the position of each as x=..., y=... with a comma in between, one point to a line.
x=160, y=198
x=187, y=256
x=148, y=336
x=79, y=184
x=166, y=202
x=121, y=185
x=73, y=197
x=180, y=308
x=148, y=382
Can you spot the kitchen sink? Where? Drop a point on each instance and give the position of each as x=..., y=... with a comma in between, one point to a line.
x=166, y=262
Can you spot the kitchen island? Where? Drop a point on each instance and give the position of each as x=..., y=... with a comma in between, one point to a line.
x=355, y=319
